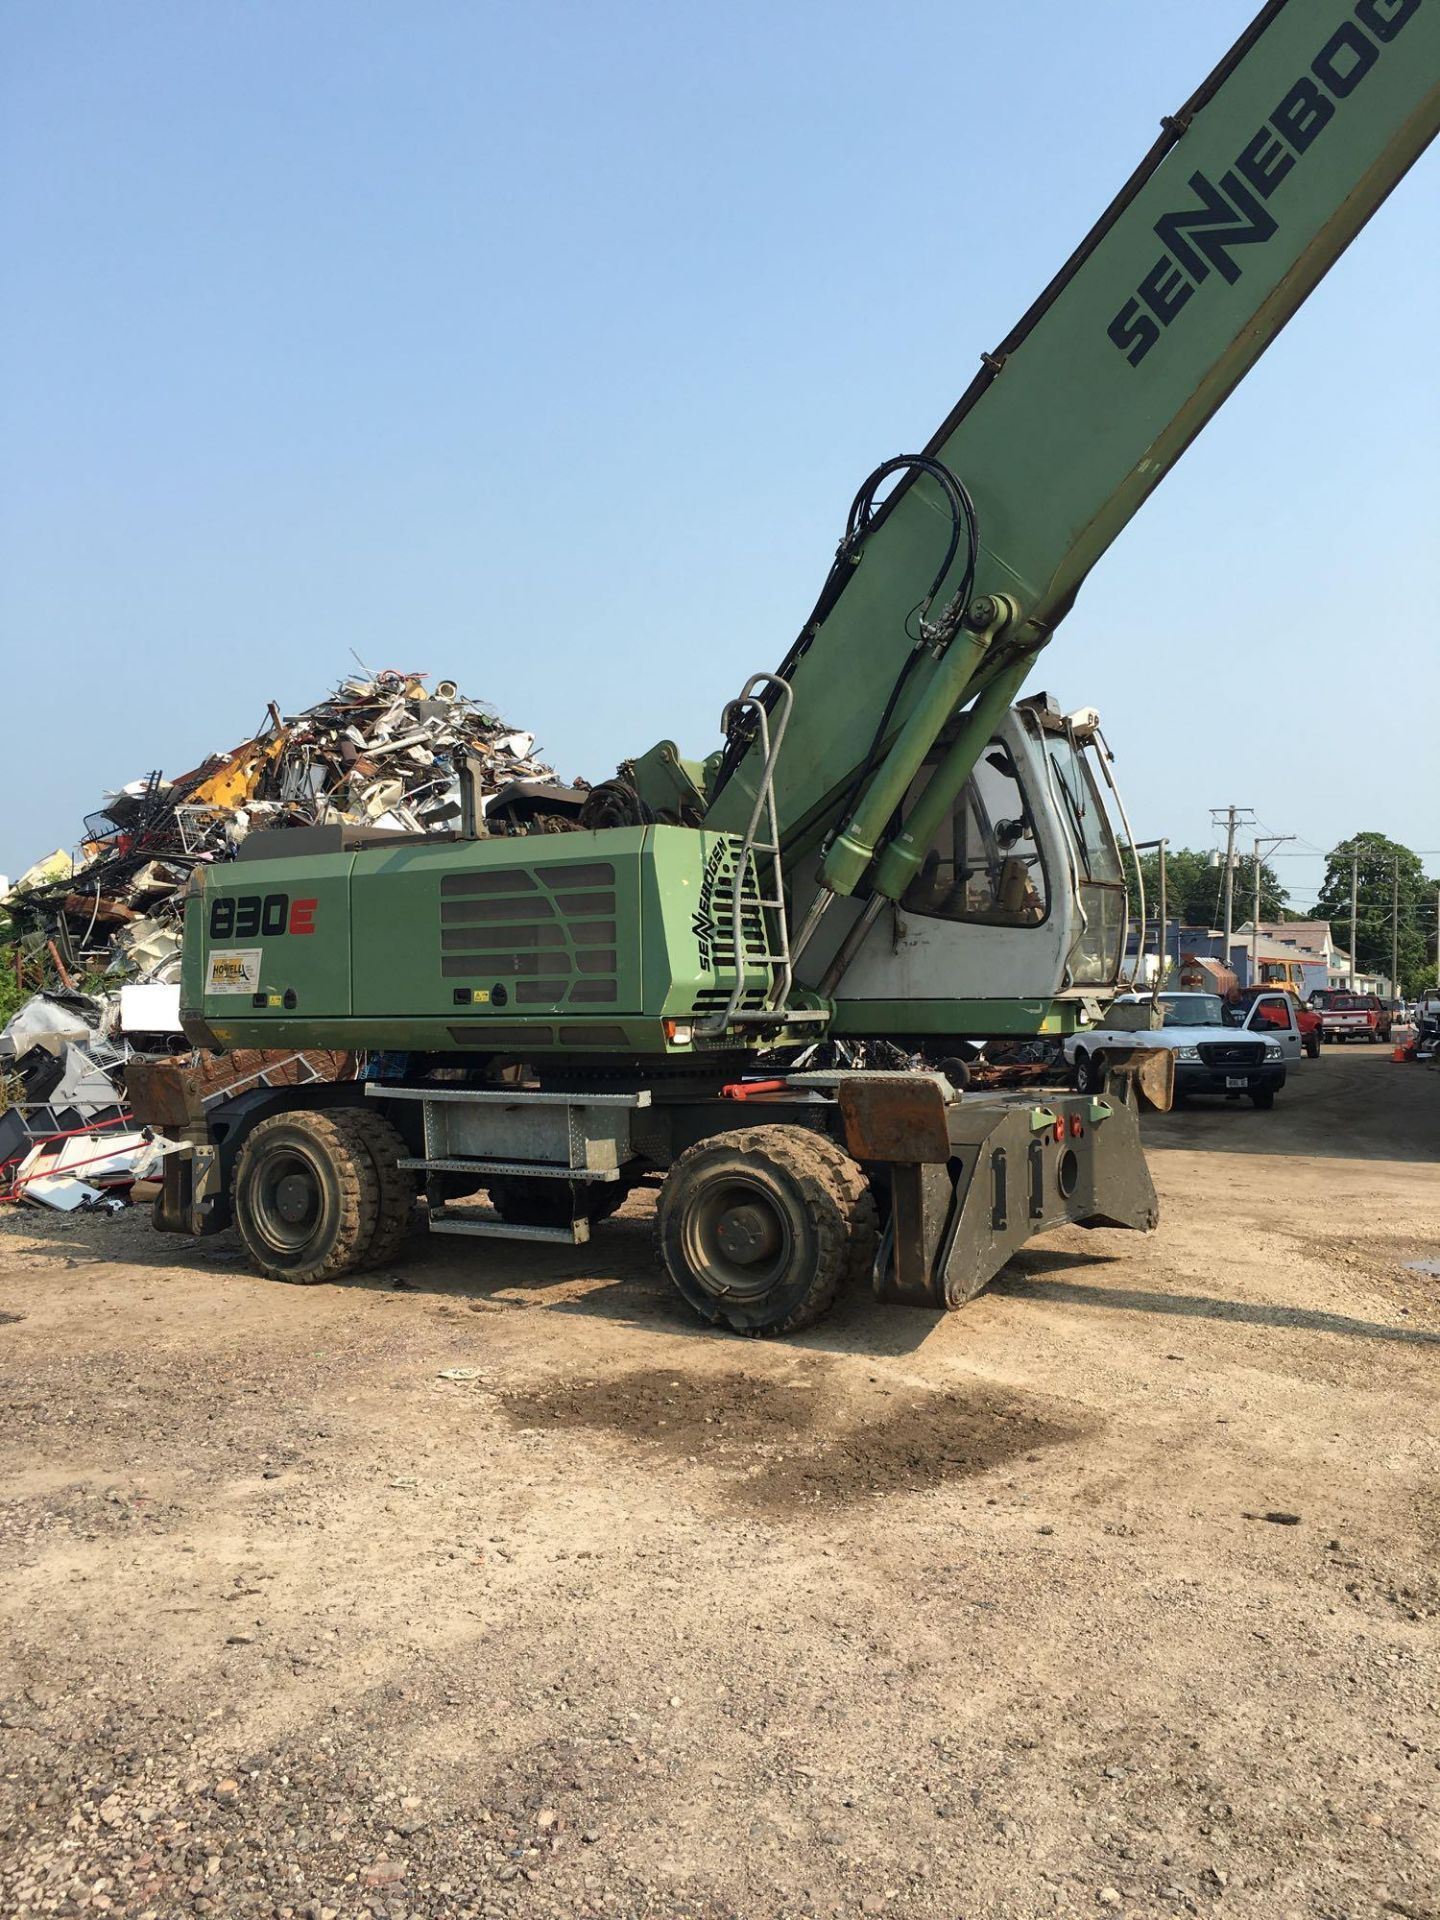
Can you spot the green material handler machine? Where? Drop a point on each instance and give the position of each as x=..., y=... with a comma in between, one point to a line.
x=889, y=845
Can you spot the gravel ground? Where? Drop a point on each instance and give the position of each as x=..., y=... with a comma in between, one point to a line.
x=509, y=1590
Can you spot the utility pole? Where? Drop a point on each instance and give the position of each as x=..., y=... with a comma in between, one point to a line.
x=1395, y=927
x=1354, y=926
x=1271, y=842
x=1232, y=820
x=1165, y=926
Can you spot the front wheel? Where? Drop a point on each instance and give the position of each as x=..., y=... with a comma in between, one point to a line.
x=1265, y=1099
x=759, y=1228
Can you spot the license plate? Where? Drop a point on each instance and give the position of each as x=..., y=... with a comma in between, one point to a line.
x=1236, y=1080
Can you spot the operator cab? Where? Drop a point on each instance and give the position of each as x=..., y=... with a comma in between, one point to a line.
x=1022, y=897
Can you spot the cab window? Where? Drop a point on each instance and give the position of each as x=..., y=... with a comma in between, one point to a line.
x=986, y=864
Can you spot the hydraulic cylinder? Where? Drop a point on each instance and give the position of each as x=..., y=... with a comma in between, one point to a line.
x=853, y=848
x=899, y=863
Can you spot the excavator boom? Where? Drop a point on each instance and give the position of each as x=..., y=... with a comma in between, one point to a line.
x=1253, y=189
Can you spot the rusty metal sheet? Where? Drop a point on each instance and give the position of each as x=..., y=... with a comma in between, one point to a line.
x=173, y=1094
x=895, y=1117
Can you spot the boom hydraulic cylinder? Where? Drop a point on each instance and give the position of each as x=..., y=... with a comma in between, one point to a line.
x=853, y=847
x=901, y=860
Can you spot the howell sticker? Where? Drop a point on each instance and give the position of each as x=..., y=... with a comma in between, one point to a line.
x=236, y=970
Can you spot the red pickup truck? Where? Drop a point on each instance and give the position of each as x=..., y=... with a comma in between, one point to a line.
x=1352, y=1016
x=1308, y=1022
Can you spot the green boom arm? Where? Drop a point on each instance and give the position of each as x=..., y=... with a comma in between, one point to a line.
x=1254, y=188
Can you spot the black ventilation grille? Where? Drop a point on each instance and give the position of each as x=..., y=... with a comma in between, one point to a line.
x=547, y=933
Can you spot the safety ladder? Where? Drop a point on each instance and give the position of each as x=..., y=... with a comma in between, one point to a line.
x=760, y=932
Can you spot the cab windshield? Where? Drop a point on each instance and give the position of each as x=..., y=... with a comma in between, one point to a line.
x=1100, y=857
x=1100, y=879
x=1192, y=1009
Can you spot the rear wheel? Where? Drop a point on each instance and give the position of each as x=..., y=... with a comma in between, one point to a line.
x=307, y=1195
x=1312, y=1045
x=759, y=1228
x=397, y=1184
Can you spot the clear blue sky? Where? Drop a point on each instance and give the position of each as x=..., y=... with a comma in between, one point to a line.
x=544, y=346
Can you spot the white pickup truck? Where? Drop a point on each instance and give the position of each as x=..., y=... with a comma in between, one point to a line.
x=1216, y=1051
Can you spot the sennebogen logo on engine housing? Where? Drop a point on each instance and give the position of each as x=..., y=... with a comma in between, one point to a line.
x=1233, y=213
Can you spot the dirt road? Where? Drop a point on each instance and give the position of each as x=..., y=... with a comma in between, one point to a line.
x=516, y=1593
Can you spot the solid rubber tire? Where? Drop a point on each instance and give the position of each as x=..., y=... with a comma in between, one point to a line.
x=398, y=1185
x=810, y=1181
x=335, y=1146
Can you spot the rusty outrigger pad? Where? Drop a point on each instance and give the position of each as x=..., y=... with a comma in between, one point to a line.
x=167, y=1093
x=895, y=1117
x=1151, y=1069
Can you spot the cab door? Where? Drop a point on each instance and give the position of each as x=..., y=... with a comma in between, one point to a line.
x=1273, y=1016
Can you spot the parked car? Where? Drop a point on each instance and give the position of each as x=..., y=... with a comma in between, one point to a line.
x=1308, y=1021
x=1354, y=1016
x=1244, y=1053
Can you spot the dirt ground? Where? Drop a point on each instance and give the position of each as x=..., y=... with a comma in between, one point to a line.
x=513, y=1591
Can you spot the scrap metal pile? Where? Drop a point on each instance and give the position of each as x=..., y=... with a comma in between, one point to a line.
x=381, y=751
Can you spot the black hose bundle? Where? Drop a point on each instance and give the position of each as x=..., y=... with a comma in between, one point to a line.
x=863, y=516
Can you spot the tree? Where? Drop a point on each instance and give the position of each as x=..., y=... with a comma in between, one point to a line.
x=1379, y=862
x=1194, y=889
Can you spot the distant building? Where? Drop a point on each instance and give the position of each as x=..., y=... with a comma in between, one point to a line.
x=1309, y=942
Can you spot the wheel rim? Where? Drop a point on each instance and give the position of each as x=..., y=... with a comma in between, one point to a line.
x=737, y=1240
x=286, y=1201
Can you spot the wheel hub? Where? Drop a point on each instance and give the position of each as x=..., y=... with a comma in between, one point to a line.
x=294, y=1198
x=738, y=1243
x=747, y=1234
x=287, y=1202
